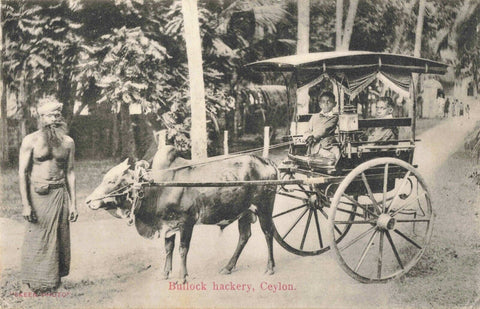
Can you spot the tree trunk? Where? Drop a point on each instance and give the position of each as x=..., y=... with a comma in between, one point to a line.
x=419, y=29
x=115, y=135
x=400, y=28
x=417, y=52
x=66, y=98
x=339, y=25
x=3, y=111
x=4, y=124
x=349, y=22
x=303, y=44
x=127, y=138
x=198, y=131
x=235, y=91
x=303, y=27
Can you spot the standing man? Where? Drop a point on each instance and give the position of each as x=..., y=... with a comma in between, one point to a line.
x=446, y=108
x=47, y=188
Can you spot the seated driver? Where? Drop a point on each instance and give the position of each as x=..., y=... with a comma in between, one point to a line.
x=384, y=110
x=321, y=130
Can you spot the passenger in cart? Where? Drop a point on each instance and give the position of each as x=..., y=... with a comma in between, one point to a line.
x=321, y=141
x=384, y=110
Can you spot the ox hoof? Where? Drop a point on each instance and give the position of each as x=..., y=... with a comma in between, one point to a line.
x=269, y=271
x=166, y=275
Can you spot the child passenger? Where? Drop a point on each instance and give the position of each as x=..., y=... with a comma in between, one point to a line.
x=321, y=141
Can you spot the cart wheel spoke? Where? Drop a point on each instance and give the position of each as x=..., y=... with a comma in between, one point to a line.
x=326, y=217
x=353, y=222
x=319, y=233
x=350, y=212
x=395, y=196
x=306, y=228
x=380, y=256
x=389, y=237
x=369, y=191
x=291, y=195
x=288, y=211
x=360, y=205
x=346, y=203
x=356, y=239
x=293, y=228
x=408, y=239
x=385, y=188
x=401, y=217
x=294, y=224
x=408, y=204
x=365, y=250
x=413, y=220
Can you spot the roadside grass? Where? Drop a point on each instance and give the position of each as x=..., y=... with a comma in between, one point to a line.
x=88, y=174
x=448, y=273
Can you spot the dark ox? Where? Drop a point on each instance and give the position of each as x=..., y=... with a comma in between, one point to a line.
x=180, y=208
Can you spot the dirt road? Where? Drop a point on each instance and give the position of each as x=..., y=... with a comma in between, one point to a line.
x=113, y=266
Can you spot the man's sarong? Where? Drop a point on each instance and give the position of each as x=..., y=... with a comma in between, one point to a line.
x=46, y=247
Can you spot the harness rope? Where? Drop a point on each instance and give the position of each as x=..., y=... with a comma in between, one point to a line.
x=114, y=193
x=224, y=157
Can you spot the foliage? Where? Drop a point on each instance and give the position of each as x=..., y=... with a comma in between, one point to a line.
x=133, y=51
x=468, y=46
x=40, y=47
x=128, y=66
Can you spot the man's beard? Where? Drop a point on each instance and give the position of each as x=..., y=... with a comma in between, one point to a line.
x=54, y=133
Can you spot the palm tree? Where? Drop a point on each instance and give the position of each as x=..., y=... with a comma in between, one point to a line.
x=303, y=26
x=343, y=36
x=198, y=132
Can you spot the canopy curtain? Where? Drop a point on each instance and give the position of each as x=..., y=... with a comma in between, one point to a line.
x=315, y=81
x=398, y=82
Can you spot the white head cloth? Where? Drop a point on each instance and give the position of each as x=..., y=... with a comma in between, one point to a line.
x=48, y=105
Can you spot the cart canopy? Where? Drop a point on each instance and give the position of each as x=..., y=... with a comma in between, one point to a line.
x=352, y=70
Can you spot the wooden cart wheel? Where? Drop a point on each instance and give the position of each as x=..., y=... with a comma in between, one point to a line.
x=391, y=229
x=300, y=218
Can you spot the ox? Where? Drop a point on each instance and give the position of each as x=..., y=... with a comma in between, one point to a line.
x=180, y=208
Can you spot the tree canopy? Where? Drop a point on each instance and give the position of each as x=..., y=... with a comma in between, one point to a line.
x=122, y=52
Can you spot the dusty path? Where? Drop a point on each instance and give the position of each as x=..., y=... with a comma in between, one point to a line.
x=113, y=266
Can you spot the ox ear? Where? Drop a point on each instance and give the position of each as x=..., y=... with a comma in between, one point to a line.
x=125, y=165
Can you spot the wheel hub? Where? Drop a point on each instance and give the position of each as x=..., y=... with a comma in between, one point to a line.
x=313, y=201
x=385, y=222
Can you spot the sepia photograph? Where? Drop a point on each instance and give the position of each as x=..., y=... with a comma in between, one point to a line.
x=240, y=154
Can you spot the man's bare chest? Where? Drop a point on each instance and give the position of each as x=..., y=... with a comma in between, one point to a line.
x=43, y=152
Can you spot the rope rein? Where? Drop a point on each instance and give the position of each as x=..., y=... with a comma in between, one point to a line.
x=136, y=187
x=118, y=192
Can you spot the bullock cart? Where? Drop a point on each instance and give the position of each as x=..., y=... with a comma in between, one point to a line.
x=370, y=206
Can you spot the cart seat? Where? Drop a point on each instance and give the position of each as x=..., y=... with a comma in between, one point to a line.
x=319, y=164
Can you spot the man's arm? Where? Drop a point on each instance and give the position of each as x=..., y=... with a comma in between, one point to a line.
x=70, y=174
x=24, y=165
